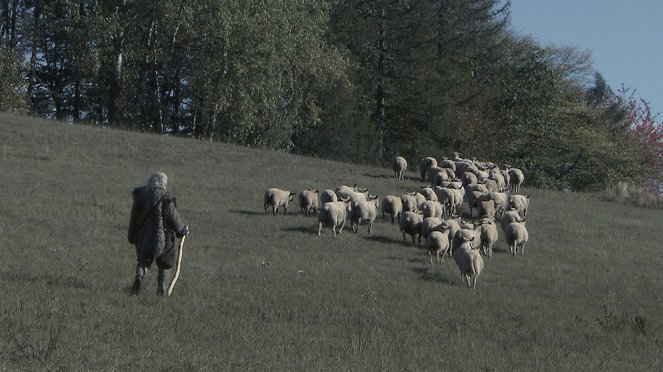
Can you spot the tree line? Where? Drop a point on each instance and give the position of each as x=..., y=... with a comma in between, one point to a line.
x=352, y=80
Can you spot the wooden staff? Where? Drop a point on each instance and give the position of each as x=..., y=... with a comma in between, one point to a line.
x=179, y=265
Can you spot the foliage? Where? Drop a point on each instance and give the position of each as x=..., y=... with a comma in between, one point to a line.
x=361, y=81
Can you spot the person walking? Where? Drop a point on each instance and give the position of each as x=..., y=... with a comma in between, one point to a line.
x=155, y=228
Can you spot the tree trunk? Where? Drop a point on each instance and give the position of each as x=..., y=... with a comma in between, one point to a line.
x=115, y=85
x=380, y=94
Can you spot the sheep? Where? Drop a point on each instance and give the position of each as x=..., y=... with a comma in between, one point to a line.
x=468, y=260
x=506, y=177
x=459, y=195
x=344, y=191
x=425, y=164
x=508, y=217
x=277, y=198
x=328, y=196
x=449, y=198
x=448, y=163
x=495, y=174
x=489, y=236
x=428, y=193
x=410, y=223
x=409, y=203
x=437, y=175
x=519, y=203
x=491, y=185
x=468, y=232
x=516, y=237
x=308, y=201
x=431, y=224
x=516, y=178
x=469, y=178
x=501, y=201
x=486, y=208
x=399, y=166
x=419, y=198
x=437, y=243
x=364, y=211
x=392, y=205
x=333, y=214
x=432, y=209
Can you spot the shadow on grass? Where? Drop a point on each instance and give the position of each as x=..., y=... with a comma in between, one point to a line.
x=383, y=239
x=262, y=213
x=436, y=273
x=383, y=176
x=303, y=229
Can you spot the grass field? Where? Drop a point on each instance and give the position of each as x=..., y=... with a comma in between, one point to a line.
x=587, y=294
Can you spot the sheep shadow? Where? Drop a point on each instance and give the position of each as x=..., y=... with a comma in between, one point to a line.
x=312, y=230
x=246, y=212
x=431, y=274
x=382, y=176
x=383, y=239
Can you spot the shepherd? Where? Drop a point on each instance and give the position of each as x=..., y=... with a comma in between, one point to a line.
x=155, y=228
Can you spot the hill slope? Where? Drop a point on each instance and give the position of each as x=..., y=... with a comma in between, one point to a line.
x=259, y=292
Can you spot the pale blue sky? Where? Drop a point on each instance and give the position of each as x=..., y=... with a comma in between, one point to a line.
x=624, y=36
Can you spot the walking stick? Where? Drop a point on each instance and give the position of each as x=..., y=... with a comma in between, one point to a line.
x=179, y=265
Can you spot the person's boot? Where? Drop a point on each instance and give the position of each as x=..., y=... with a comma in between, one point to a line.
x=138, y=282
x=162, y=282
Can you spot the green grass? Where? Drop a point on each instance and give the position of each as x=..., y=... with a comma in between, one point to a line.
x=587, y=294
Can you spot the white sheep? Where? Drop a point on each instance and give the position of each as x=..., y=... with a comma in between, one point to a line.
x=437, y=243
x=486, y=208
x=425, y=164
x=489, y=236
x=333, y=214
x=308, y=201
x=519, y=203
x=328, y=196
x=469, y=178
x=419, y=198
x=364, y=211
x=431, y=224
x=437, y=175
x=409, y=203
x=501, y=201
x=344, y=192
x=410, y=223
x=516, y=237
x=468, y=260
x=399, y=166
x=432, y=208
x=392, y=205
x=428, y=193
x=448, y=198
x=448, y=163
x=470, y=232
x=491, y=185
x=508, y=217
x=277, y=198
x=516, y=178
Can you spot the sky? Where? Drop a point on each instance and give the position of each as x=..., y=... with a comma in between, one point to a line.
x=625, y=38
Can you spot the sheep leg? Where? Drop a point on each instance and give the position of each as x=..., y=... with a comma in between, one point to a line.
x=370, y=228
x=430, y=256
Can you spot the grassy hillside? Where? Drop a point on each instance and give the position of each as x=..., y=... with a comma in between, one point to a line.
x=587, y=294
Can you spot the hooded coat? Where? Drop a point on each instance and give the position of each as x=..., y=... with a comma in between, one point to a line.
x=155, y=227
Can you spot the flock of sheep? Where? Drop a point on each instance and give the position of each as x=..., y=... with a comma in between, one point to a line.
x=433, y=213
